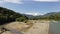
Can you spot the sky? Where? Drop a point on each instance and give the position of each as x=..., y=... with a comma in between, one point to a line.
x=32, y=7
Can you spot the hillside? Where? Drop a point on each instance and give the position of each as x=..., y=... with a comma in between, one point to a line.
x=7, y=15
x=48, y=16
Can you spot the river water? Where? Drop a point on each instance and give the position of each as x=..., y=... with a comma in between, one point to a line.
x=54, y=27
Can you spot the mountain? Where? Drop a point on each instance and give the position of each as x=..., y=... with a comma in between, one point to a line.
x=7, y=15
x=52, y=13
x=51, y=16
x=28, y=15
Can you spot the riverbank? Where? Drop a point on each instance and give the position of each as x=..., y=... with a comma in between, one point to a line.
x=34, y=27
x=39, y=28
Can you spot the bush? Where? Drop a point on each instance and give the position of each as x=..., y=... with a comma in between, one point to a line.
x=21, y=19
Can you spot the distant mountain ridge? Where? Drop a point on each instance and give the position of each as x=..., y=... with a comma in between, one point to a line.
x=41, y=16
x=29, y=16
x=52, y=13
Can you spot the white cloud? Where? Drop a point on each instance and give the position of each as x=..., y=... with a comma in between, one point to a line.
x=47, y=0
x=32, y=13
x=1, y=2
x=11, y=1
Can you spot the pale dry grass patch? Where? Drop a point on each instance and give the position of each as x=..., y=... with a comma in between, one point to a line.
x=20, y=26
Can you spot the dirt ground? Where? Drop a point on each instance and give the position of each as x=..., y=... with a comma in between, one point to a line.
x=32, y=27
x=40, y=27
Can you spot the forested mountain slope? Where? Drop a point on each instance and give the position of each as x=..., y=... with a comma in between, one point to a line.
x=7, y=15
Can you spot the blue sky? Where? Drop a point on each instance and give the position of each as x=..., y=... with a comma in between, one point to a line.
x=33, y=7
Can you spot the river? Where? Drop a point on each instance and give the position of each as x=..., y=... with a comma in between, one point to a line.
x=54, y=27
